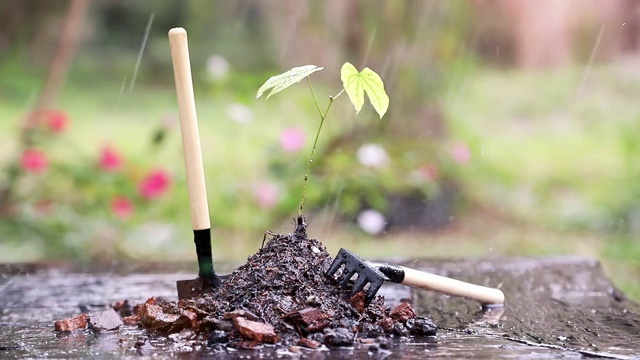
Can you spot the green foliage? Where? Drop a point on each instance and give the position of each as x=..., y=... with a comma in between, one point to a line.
x=356, y=84
x=280, y=82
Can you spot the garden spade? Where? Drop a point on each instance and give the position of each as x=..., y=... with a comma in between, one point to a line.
x=374, y=275
x=207, y=278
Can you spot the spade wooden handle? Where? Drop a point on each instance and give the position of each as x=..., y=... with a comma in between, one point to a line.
x=189, y=128
x=445, y=285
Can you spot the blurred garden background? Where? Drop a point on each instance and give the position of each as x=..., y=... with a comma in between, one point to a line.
x=513, y=129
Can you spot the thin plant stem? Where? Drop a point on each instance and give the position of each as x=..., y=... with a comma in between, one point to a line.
x=315, y=141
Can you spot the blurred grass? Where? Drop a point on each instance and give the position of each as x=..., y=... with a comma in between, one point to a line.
x=546, y=150
x=548, y=144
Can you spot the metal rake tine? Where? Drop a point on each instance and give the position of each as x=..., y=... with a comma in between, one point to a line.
x=346, y=276
x=360, y=283
x=335, y=266
x=372, y=291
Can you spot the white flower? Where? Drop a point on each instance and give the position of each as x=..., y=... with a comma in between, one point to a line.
x=372, y=155
x=371, y=221
x=240, y=113
x=217, y=66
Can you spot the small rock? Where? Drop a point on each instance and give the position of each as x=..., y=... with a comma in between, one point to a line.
x=423, y=327
x=71, y=324
x=317, y=337
x=402, y=312
x=218, y=337
x=368, y=330
x=218, y=324
x=383, y=343
x=258, y=331
x=399, y=329
x=338, y=337
x=312, y=300
x=240, y=313
x=105, y=320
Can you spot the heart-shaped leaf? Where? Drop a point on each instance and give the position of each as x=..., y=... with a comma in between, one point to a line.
x=356, y=84
x=280, y=82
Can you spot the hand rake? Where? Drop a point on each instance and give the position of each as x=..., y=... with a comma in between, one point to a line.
x=374, y=274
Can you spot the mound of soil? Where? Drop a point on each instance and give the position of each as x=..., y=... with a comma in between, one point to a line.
x=281, y=295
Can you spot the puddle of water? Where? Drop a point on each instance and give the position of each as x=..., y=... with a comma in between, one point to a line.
x=556, y=307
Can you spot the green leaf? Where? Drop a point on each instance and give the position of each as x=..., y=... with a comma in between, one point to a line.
x=356, y=84
x=280, y=82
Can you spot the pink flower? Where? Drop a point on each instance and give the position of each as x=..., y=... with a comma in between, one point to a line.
x=34, y=161
x=110, y=159
x=154, y=184
x=292, y=139
x=121, y=207
x=267, y=195
x=56, y=120
x=461, y=153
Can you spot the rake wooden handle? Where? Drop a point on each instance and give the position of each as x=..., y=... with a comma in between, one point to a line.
x=189, y=128
x=445, y=285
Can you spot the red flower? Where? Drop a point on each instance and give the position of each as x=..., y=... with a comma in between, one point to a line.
x=110, y=159
x=56, y=120
x=121, y=207
x=34, y=161
x=154, y=184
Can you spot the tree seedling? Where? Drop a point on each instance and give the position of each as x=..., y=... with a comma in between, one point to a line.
x=355, y=83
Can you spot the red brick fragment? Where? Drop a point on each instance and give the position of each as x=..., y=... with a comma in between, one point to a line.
x=402, y=312
x=153, y=317
x=71, y=324
x=357, y=301
x=131, y=320
x=309, y=319
x=386, y=323
x=311, y=344
x=123, y=308
x=258, y=331
x=191, y=316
